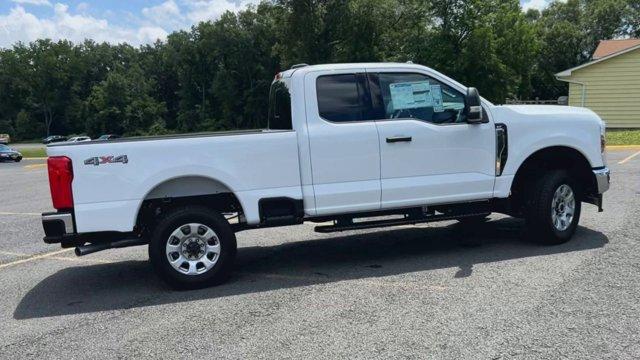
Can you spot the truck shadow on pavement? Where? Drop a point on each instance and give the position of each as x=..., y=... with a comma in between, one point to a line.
x=131, y=284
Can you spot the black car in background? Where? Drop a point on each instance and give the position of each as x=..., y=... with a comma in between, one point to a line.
x=9, y=154
x=109, y=137
x=54, y=139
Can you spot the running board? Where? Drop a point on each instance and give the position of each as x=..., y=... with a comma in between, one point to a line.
x=395, y=222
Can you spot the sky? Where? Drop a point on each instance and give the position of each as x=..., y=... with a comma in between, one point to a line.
x=116, y=21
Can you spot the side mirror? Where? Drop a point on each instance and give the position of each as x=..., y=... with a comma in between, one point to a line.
x=473, y=107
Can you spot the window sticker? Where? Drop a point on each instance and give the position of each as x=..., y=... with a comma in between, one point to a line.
x=411, y=95
x=436, y=94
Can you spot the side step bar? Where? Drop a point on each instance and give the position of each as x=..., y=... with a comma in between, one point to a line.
x=396, y=222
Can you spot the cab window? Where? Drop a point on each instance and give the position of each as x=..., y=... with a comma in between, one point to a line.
x=416, y=96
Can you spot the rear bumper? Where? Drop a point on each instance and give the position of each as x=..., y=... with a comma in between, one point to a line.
x=603, y=179
x=57, y=227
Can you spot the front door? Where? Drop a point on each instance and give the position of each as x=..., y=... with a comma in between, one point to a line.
x=429, y=154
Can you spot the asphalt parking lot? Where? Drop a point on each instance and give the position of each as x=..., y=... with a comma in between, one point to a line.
x=437, y=291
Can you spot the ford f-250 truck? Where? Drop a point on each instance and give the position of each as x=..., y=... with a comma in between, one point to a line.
x=352, y=146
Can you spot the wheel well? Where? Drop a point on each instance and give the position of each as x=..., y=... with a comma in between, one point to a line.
x=552, y=158
x=183, y=191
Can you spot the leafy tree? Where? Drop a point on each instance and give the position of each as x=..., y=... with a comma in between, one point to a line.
x=631, y=19
x=49, y=79
x=27, y=126
x=122, y=104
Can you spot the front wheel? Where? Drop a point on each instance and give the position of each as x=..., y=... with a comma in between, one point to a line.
x=553, y=208
x=192, y=247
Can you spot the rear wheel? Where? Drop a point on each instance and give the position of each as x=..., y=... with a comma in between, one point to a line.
x=553, y=208
x=192, y=247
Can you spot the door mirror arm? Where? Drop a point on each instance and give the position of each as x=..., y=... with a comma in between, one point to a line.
x=473, y=107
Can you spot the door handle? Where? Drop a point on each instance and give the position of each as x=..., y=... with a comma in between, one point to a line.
x=396, y=139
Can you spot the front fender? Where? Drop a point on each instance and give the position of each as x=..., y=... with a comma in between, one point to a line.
x=522, y=152
x=533, y=128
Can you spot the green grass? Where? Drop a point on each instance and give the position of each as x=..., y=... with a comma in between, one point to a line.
x=33, y=152
x=623, y=137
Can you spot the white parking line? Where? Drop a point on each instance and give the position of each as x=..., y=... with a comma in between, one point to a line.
x=50, y=256
x=629, y=158
x=36, y=257
x=19, y=214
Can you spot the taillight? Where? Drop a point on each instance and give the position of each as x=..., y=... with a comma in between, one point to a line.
x=60, y=178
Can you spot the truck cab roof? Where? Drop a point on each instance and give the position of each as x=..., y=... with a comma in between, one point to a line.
x=345, y=66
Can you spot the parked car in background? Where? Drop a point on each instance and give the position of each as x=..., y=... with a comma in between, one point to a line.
x=9, y=154
x=54, y=139
x=109, y=137
x=5, y=139
x=79, y=139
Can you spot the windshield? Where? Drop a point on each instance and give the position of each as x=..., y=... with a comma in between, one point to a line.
x=279, y=106
x=4, y=148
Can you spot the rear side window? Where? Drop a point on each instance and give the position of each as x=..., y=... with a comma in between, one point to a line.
x=340, y=97
x=279, y=107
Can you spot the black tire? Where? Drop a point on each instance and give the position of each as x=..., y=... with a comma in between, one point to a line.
x=539, y=211
x=177, y=218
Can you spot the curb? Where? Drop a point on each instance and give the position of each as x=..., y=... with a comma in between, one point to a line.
x=623, y=147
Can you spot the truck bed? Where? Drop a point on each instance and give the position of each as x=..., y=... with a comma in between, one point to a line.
x=251, y=164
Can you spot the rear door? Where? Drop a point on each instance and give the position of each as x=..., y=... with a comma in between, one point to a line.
x=345, y=155
x=429, y=154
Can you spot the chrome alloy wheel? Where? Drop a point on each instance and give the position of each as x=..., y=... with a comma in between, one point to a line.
x=193, y=249
x=563, y=207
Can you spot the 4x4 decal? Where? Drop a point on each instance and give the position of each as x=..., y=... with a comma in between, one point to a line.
x=100, y=160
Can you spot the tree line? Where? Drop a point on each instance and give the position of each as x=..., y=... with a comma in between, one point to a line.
x=216, y=75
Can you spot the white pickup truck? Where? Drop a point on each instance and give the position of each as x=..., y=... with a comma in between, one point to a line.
x=361, y=145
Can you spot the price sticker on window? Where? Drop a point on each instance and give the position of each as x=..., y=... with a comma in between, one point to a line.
x=412, y=95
